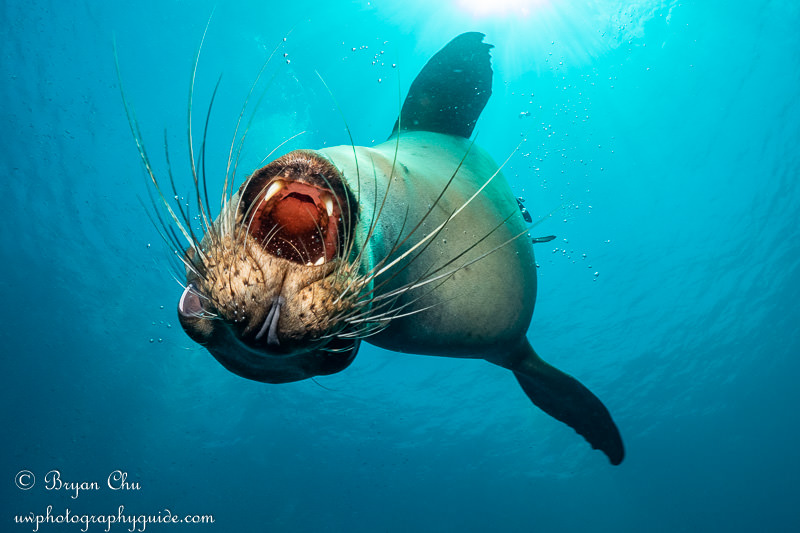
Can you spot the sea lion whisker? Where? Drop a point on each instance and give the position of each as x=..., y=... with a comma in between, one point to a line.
x=376, y=212
x=349, y=134
x=271, y=234
x=330, y=350
x=133, y=124
x=170, y=238
x=453, y=215
x=362, y=307
x=378, y=267
x=250, y=215
x=355, y=156
x=165, y=231
x=348, y=220
x=429, y=274
x=391, y=299
x=436, y=202
x=345, y=272
x=368, y=330
x=204, y=218
x=283, y=142
x=370, y=288
x=346, y=217
x=252, y=209
x=380, y=312
x=385, y=281
x=241, y=144
x=270, y=324
x=367, y=278
x=194, y=241
x=397, y=245
x=189, y=265
x=296, y=249
x=229, y=177
x=173, y=266
x=313, y=260
x=392, y=314
x=207, y=209
x=472, y=261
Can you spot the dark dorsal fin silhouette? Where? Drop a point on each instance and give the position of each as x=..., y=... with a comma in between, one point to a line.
x=451, y=90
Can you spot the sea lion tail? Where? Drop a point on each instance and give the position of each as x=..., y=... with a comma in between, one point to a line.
x=451, y=90
x=568, y=400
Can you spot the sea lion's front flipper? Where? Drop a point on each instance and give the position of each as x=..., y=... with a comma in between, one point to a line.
x=566, y=399
x=450, y=92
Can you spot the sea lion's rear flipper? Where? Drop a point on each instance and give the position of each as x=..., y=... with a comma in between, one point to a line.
x=451, y=90
x=566, y=399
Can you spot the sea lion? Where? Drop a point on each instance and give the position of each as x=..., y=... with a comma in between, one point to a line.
x=415, y=245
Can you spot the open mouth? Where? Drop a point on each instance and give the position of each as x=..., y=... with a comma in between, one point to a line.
x=297, y=222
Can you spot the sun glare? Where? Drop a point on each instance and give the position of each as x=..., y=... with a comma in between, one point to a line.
x=499, y=8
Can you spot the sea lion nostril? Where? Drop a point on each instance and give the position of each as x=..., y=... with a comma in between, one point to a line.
x=190, y=304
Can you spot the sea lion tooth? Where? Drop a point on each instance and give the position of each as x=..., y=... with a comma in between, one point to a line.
x=273, y=189
x=320, y=261
x=328, y=203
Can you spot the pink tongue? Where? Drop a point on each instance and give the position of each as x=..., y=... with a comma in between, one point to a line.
x=295, y=216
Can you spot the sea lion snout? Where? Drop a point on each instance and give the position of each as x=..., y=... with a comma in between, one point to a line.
x=267, y=303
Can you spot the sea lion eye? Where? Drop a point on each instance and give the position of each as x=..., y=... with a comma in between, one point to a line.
x=190, y=305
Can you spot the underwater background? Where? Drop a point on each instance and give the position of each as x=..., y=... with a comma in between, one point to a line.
x=660, y=143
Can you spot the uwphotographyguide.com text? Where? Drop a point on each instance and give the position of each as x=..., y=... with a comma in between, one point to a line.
x=129, y=522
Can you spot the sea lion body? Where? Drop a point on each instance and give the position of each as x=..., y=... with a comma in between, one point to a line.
x=479, y=309
x=415, y=245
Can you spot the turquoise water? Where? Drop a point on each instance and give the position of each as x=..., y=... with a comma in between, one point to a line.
x=664, y=137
